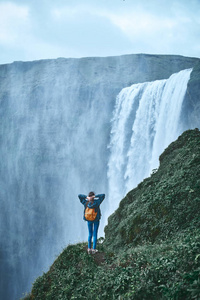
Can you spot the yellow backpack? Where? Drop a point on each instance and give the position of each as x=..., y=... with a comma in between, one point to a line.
x=90, y=214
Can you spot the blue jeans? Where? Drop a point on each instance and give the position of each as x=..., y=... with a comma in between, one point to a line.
x=93, y=229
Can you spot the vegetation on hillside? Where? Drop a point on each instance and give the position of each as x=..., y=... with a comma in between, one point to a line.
x=152, y=241
x=163, y=204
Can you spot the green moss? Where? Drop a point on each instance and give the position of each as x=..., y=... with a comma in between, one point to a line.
x=152, y=242
x=168, y=270
x=164, y=203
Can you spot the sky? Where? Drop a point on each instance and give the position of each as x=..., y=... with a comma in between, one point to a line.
x=45, y=29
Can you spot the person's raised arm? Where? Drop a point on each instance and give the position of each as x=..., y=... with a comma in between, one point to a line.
x=82, y=198
x=100, y=197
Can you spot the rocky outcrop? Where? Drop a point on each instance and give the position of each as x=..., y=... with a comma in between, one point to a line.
x=191, y=105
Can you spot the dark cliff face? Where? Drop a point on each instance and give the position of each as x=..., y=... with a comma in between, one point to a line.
x=118, y=71
x=164, y=204
x=191, y=104
x=96, y=77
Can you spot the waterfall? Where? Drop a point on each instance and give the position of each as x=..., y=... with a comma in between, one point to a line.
x=52, y=149
x=145, y=121
x=58, y=140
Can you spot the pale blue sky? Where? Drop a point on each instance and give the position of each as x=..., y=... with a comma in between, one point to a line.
x=42, y=29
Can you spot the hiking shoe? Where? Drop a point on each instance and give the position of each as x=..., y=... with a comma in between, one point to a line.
x=94, y=251
x=89, y=251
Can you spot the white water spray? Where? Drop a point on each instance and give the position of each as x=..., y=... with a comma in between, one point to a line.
x=55, y=130
x=145, y=121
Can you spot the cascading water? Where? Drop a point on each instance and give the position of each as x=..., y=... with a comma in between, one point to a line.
x=54, y=143
x=145, y=121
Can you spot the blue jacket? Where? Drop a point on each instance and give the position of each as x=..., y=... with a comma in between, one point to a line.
x=97, y=201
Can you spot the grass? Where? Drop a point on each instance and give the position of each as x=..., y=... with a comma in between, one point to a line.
x=152, y=241
x=168, y=270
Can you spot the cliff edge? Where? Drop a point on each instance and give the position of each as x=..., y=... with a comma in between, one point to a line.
x=152, y=241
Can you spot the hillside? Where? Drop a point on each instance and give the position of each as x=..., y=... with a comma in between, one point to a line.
x=163, y=204
x=152, y=241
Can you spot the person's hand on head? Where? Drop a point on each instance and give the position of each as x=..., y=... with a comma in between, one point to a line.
x=91, y=198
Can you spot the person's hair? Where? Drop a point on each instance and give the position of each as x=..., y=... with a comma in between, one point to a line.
x=91, y=194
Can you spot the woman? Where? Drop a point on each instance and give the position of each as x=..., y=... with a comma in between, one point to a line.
x=93, y=202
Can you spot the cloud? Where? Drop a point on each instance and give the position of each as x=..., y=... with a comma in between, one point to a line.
x=85, y=29
x=49, y=29
x=171, y=30
x=136, y=24
x=14, y=21
x=151, y=27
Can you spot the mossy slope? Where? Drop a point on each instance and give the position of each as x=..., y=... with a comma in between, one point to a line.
x=165, y=203
x=152, y=241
